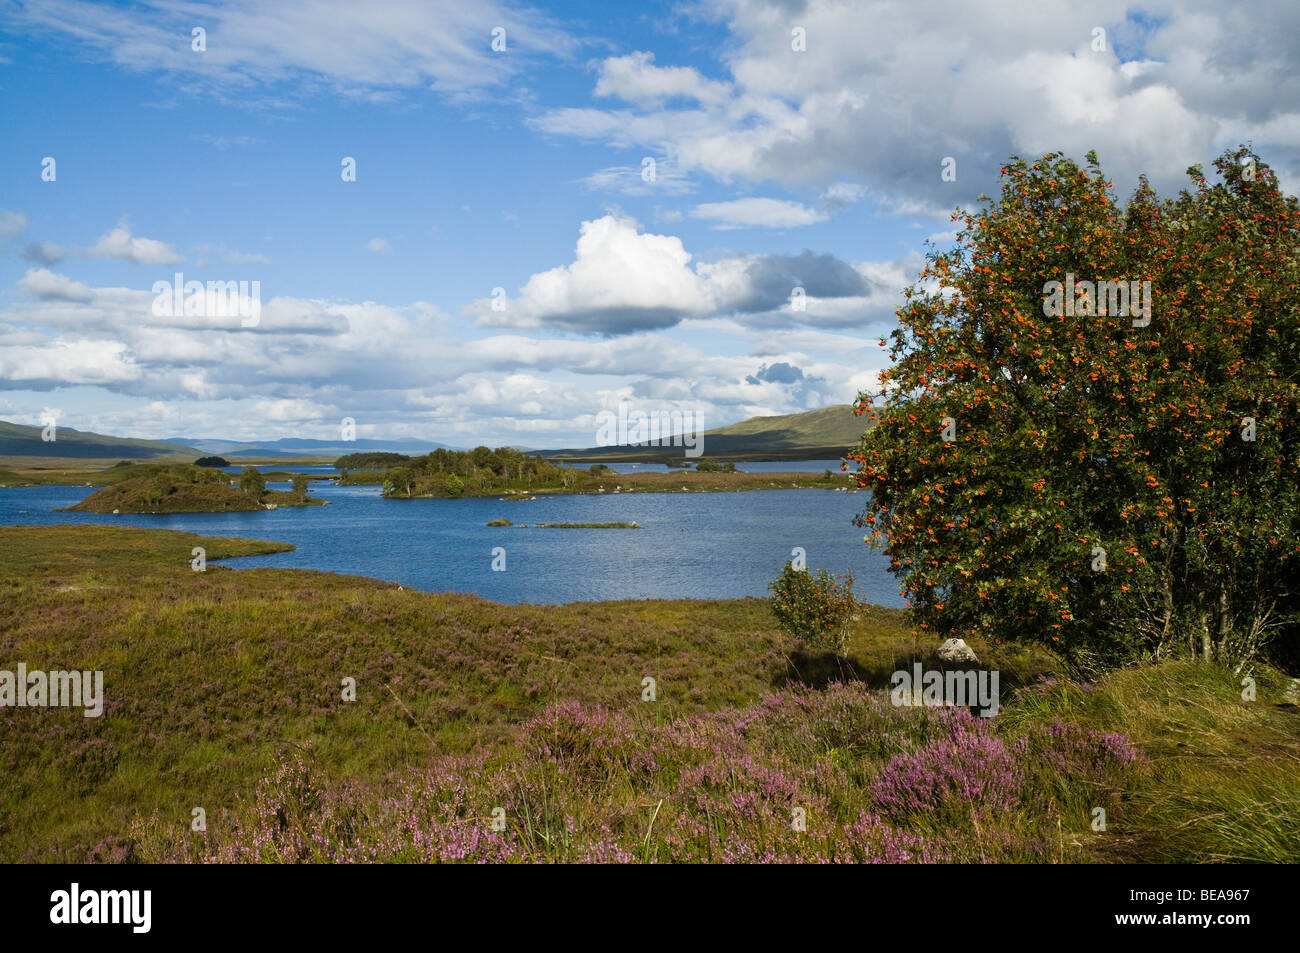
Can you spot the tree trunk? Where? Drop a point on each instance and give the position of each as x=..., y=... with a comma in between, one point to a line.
x=1225, y=626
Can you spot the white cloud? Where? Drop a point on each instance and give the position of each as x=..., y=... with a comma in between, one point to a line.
x=634, y=78
x=62, y=363
x=885, y=91
x=842, y=194
x=120, y=243
x=761, y=212
x=378, y=245
x=623, y=281
x=50, y=286
x=411, y=370
x=620, y=280
x=365, y=51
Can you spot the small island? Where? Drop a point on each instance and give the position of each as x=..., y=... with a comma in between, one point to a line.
x=633, y=525
x=186, y=488
x=516, y=476
x=588, y=525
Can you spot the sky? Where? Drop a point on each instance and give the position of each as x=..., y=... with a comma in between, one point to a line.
x=555, y=208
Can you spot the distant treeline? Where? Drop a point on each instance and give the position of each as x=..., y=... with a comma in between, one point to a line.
x=468, y=473
x=370, y=461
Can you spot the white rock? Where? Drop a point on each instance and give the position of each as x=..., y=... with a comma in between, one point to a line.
x=955, y=650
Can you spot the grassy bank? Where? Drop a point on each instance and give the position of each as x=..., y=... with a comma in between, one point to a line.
x=678, y=481
x=225, y=690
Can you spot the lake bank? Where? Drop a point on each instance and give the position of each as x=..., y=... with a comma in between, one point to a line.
x=673, y=481
x=689, y=545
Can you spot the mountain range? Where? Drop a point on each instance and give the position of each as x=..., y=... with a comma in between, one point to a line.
x=812, y=435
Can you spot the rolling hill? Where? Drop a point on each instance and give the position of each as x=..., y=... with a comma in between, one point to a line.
x=812, y=435
x=820, y=434
x=20, y=440
x=306, y=447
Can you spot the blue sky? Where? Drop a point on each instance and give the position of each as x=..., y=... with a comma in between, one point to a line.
x=520, y=169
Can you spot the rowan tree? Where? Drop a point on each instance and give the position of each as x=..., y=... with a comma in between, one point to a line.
x=1041, y=467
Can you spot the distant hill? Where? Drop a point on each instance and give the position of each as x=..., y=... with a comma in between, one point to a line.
x=812, y=435
x=837, y=425
x=20, y=440
x=303, y=447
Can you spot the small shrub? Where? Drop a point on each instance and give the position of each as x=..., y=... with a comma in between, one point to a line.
x=454, y=484
x=814, y=607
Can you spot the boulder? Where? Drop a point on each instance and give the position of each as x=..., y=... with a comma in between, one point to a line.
x=957, y=651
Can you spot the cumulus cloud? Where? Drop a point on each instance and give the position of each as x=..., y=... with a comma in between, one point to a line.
x=623, y=280
x=402, y=371
x=63, y=363
x=120, y=243
x=884, y=92
x=49, y=286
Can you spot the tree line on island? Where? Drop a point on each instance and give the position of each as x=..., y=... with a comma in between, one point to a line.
x=455, y=473
x=189, y=488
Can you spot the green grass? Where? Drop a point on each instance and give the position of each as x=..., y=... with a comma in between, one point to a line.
x=1224, y=782
x=679, y=481
x=363, y=478
x=213, y=679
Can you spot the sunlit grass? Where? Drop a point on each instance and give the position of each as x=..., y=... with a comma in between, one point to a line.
x=216, y=680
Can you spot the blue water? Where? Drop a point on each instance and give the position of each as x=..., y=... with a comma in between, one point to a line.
x=690, y=545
